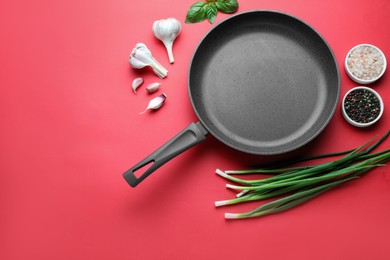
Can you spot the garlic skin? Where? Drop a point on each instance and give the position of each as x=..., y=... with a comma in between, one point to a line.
x=153, y=87
x=167, y=30
x=156, y=103
x=141, y=57
x=136, y=83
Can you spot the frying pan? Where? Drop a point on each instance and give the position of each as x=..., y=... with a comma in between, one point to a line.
x=262, y=82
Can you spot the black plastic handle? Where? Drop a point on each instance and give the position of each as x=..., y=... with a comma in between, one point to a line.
x=190, y=136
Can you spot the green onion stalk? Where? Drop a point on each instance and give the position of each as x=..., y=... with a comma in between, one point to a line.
x=295, y=185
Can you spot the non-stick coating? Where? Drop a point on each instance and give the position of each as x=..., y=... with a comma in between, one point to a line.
x=264, y=82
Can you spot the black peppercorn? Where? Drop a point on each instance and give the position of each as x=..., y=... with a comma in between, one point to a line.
x=362, y=106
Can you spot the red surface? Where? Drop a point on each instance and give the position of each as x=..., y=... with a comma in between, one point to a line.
x=70, y=127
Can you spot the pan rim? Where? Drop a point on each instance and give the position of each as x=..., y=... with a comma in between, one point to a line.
x=267, y=151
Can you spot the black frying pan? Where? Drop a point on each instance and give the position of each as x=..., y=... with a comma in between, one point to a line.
x=261, y=82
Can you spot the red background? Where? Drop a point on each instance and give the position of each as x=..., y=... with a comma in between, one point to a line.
x=70, y=127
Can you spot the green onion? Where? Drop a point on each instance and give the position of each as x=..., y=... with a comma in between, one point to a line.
x=295, y=185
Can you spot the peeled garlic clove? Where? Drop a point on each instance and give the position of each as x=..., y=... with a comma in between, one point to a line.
x=153, y=87
x=156, y=102
x=136, y=83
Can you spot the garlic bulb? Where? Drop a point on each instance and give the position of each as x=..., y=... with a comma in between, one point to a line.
x=167, y=30
x=156, y=102
x=141, y=57
x=153, y=87
x=136, y=83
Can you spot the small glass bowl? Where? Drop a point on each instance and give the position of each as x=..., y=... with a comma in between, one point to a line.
x=365, y=63
x=349, y=117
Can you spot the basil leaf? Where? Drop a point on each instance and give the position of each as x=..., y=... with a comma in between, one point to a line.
x=211, y=12
x=197, y=12
x=226, y=6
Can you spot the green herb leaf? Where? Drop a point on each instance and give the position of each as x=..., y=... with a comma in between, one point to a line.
x=211, y=12
x=226, y=6
x=197, y=12
x=209, y=9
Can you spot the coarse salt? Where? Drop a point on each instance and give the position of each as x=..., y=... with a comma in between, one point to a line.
x=365, y=63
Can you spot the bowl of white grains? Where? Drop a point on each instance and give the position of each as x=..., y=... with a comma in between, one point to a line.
x=365, y=63
x=362, y=106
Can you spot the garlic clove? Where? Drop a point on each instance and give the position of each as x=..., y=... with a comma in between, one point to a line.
x=141, y=56
x=156, y=103
x=153, y=87
x=167, y=30
x=134, y=60
x=136, y=83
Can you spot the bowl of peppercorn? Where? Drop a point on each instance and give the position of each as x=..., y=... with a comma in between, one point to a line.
x=365, y=63
x=362, y=106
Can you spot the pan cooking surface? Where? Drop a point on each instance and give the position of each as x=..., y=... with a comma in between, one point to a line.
x=264, y=82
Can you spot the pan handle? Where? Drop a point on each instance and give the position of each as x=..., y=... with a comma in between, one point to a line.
x=190, y=136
